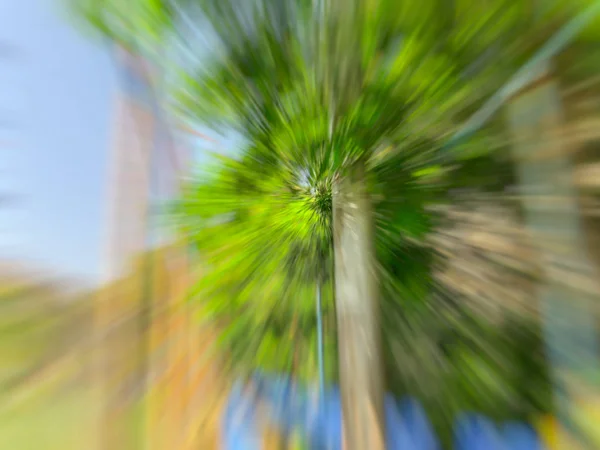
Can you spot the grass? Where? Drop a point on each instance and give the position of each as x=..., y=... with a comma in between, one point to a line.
x=64, y=422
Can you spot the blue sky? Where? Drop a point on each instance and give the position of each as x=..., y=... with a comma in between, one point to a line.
x=57, y=90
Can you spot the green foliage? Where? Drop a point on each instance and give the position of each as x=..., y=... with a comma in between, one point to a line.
x=137, y=25
x=264, y=237
x=314, y=88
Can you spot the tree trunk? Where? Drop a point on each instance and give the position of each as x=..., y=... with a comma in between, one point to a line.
x=361, y=374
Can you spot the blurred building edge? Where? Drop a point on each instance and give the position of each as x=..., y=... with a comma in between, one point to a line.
x=155, y=385
x=550, y=141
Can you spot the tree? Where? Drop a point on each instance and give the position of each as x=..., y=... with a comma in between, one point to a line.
x=345, y=109
x=317, y=108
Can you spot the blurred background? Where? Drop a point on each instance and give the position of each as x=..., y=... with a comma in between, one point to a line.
x=299, y=224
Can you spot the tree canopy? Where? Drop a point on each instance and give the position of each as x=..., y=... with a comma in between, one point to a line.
x=313, y=88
